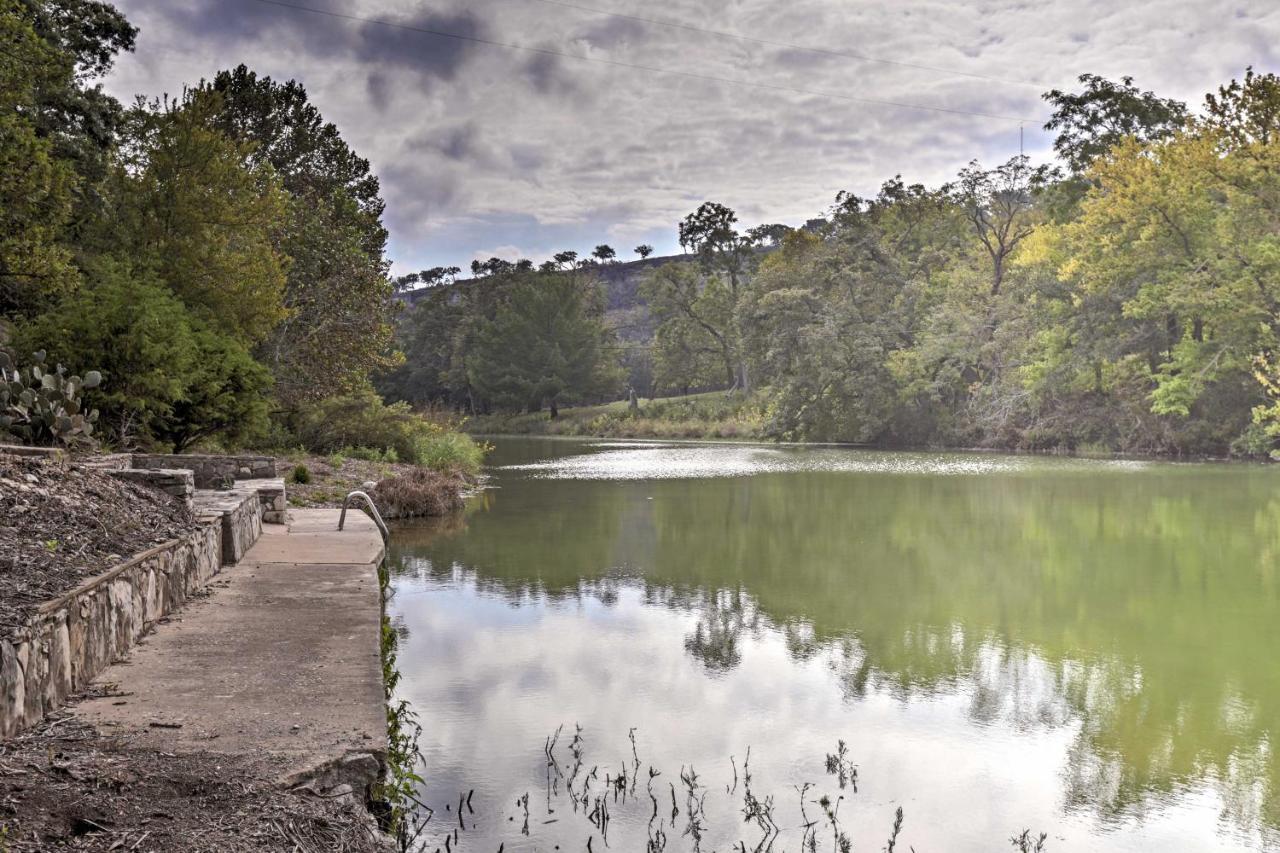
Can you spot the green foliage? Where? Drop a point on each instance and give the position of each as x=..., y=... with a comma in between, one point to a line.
x=447, y=450
x=44, y=406
x=338, y=326
x=396, y=790
x=545, y=343
x=1093, y=121
x=191, y=247
x=300, y=474
x=190, y=205
x=168, y=376
x=37, y=186
x=361, y=426
x=371, y=454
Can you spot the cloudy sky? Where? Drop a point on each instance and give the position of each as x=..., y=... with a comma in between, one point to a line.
x=489, y=150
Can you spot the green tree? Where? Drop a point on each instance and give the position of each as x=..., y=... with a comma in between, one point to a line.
x=167, y=376
x=545, y=345
x=36, y=184
x=81, y=121
x=338, y=327
x=696, y=324
x=1093, y=121
x=188, y=202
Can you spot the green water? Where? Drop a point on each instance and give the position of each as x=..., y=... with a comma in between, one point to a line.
x=1084, y=648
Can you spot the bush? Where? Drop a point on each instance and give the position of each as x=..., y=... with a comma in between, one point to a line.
x=362, y=426
x=445, y=450
x=167, y=376
x=420, y=491
x=372, y=454
x=300, y=474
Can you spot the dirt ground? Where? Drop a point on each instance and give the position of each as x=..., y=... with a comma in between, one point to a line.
x=61, y=524
x=65, y=787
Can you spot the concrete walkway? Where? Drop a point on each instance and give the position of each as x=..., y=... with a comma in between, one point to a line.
x=282, y=658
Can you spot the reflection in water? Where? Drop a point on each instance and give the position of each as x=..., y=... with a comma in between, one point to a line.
x=1003, y=641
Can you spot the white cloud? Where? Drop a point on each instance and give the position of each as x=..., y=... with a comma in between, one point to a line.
x=482, y=146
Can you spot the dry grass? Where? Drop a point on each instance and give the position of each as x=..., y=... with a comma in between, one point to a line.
x=401, y=491
x=419, y=492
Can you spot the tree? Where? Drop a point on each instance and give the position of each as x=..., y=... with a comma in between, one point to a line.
x=644, y=250
x=999, y=206
x=770, y=235
x=433, y=277
x=1176, y=242
x=166, y=374
x=338, y=328
x=79, y=119
x=188, y=202
x=604, y=254
x=1246, y=113
x=711, y=234
x=36, y=184
x=546, y=344
x=492, y=267
x=1092, y=122
x=696, y=321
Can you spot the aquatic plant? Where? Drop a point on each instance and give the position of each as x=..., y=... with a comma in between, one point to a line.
x=839, y=765
x=1025, y=844
x=401, y=814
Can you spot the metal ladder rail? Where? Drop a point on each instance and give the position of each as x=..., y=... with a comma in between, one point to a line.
x=373, y=513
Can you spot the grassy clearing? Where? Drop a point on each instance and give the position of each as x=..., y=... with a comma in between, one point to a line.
x=715, y=414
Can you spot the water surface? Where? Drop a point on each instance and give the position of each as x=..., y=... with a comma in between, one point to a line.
x=1086, y=648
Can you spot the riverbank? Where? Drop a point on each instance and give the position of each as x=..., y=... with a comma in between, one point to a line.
x=714, y=414
x=400, y=489
x=717, y=415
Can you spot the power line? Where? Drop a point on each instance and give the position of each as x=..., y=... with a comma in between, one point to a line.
x=691, y=75
x=676, y=25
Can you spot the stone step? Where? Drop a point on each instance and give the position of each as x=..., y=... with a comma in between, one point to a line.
x=242, y=510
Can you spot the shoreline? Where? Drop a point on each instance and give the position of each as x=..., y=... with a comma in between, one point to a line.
x=876, y=448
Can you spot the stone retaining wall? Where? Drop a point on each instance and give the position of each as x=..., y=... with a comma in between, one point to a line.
x=239, y=514
x=275, y=504
x=75, y=636
x=172, y=481
x=211, y=472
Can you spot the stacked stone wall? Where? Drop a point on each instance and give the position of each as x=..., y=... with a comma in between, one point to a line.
x=72, y=638
x=211, y=472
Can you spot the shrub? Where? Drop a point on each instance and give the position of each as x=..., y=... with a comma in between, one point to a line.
x=300, y=474
x=167, y=375
x=419, y=491
x=362, y=426
x=445, y=450
x=372, y=454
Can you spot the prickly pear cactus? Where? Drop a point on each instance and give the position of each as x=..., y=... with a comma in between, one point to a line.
x=43, y=406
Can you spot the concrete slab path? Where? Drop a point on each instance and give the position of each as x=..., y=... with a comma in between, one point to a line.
x=282, y=658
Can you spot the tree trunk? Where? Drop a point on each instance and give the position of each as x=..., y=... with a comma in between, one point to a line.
x=555, y=411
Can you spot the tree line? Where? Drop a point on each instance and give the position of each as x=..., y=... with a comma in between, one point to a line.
x=218, y=256
x=1124, y=297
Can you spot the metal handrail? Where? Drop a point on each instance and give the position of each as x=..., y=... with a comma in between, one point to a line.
x=373, y=513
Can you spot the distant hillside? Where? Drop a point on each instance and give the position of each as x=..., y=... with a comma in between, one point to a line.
x=621, y=280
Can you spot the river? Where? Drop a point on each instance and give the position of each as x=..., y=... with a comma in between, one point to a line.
x=1084, y=648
